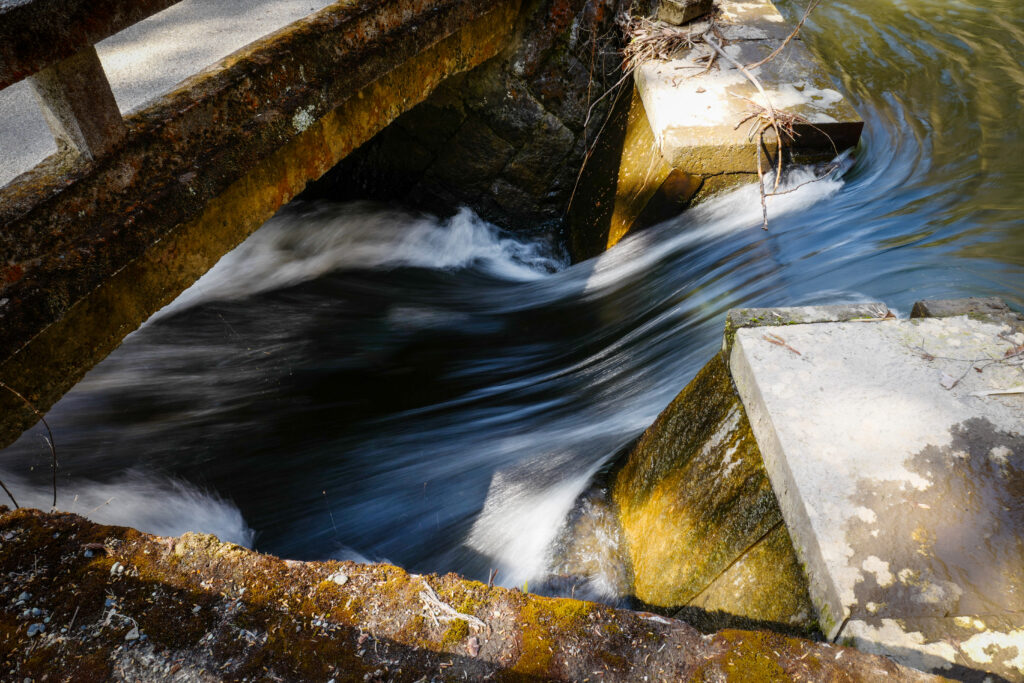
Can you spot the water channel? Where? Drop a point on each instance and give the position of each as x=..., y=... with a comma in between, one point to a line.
x=361, y=382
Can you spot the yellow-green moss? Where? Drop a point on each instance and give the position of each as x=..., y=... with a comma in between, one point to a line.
x=544, y=621
x=457, y=631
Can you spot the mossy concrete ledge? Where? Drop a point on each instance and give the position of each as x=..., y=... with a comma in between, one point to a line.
x=83, y=602
x=90, y=249
x=683, y=135
x=895, y=448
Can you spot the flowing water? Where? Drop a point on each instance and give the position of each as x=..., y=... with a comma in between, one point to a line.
x=358, y=382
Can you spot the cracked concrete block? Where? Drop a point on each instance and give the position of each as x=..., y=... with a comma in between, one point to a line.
x=896, y=451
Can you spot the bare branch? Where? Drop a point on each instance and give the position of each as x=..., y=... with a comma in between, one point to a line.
x=791, y=36
x=49, y=442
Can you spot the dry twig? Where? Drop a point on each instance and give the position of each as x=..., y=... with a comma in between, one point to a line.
x=779, y=341
x=791, y=36
x=49, y=442
x=440, y=611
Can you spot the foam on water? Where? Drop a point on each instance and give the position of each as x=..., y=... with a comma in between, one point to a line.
x=306, y=241
x=150, y=503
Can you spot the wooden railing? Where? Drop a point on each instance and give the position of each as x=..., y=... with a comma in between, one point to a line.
x=51, y=43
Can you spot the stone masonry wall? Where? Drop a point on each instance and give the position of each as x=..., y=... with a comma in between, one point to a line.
x=507, y=138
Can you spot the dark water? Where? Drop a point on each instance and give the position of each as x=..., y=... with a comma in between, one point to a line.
x=359, y=382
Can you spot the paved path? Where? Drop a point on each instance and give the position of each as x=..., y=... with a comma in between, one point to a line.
x=146, y=60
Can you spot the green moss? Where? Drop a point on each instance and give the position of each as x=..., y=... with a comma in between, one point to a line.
x=457, y=631
x=748, y=657
x=545, y=623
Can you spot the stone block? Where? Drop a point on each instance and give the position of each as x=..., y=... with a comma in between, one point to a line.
x=766, y=584
x=683, y=11
x=696, y=116
x=980, y=308
x=898, y=460
x=78, y=105
x=738, y=318
x=693, y=499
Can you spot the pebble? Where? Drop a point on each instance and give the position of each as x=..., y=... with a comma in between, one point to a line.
x=115, y=568
x=35, y=629
x=24, y=597
x=36, y=611
x=88, y=553
x=339, y=578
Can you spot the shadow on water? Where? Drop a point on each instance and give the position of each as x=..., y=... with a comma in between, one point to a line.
x=365, y=383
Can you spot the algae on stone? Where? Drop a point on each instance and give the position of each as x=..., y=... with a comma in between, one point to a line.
x=766, y=584
x=196, y=609
x=698, y=512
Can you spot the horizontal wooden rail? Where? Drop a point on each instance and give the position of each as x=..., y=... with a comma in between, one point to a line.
x=37, y=33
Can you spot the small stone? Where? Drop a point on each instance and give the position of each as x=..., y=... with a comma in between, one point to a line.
x=46, y=620
x=473, y=646
x=36, y=629
x=88, y=553
x=36, y=611
x=132, y=634
x=682, y=11
x=24, y=597
x=339, y=578
x=195, y=610
x=113, y=570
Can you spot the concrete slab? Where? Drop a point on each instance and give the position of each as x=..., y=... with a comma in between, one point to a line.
x=146, y=60
x=696, y=114
x=898, y=462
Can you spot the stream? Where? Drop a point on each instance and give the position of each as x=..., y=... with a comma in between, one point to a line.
x=360, y=382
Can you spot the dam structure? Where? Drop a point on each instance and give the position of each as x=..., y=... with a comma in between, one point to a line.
x=836, y=494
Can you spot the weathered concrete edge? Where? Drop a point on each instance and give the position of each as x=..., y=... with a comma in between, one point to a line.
x=310, y=620
x=991, y=309
x=824, y=595
x=57, y=358
x=738, y=318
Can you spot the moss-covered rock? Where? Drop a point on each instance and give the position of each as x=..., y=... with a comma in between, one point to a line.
x=699, y=516
x=85, y=602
